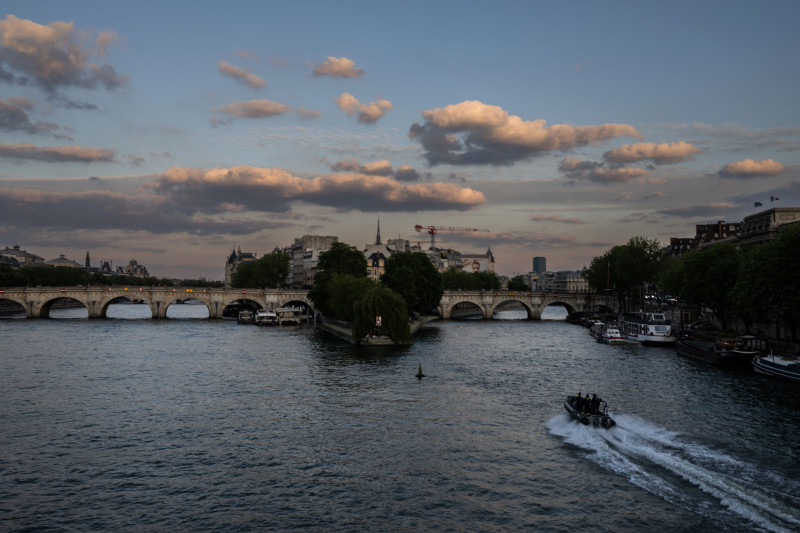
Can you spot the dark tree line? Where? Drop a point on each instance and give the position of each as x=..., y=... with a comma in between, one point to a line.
x=48, y=276
x=758, y=284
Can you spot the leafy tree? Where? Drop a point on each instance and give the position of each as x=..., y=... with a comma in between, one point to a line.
x=344, y=291
x=390, y=306
x=269, y=272
x=630, y=270
x=454, y=279
x=415, y=279
x=670, y=277
x=340, y=258
x=517, y=284
x=710, y=274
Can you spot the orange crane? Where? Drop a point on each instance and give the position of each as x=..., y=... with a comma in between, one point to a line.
x=433, y=230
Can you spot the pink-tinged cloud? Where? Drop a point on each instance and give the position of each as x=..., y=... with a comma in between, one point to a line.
x=367, y=113
x=749, y=168
x=556, y=218
x=490, y=136
x=247, y=55
x=660, y=154
x=338, y=67
x=274, y=190
x=597, y=171
x=307, y=114
x=377, y=168
x=249, y=109
x=241, y=75
x=406, y=173
x=56, y=154
x=346, y=165
x=55, y=56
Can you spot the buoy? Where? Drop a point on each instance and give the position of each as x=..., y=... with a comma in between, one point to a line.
x=420, y=375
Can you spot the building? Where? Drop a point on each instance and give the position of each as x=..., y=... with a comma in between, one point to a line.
x=763, y=226
x=478, y=262
x=376, y=254
x=133, y=268
x=305, y=256
x=236, y=259
x=539, y=265
x=22, y=257
x=62, y=261
x=704, y=234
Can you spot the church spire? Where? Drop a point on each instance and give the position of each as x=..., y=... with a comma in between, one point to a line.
x=378, y=236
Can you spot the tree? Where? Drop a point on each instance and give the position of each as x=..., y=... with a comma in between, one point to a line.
x=415, y=279
x=517, y=284
x=710, y=276
x=268, y=272
x=340, y=258
x=344, y=291
x=454, y=279
x=391, y=307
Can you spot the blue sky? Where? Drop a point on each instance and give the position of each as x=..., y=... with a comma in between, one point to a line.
x=171, y=132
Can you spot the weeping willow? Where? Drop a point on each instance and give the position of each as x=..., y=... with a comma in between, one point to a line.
x=390, y=306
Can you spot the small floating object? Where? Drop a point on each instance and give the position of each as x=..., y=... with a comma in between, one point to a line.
x=420, y=375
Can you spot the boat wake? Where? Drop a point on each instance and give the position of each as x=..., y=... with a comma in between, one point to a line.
x=687, y=473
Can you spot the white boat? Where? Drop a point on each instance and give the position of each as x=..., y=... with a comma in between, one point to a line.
x=289, y=316
x=775, y=365
x=613, y=336
x=648, y=328
x=266, y=317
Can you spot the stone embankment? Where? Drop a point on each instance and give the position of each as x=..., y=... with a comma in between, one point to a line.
x=344, y=331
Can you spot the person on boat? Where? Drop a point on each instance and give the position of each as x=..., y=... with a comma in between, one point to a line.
x=595, y=404
x=578, y=401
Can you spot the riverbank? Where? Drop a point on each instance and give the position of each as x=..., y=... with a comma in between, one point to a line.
x=344, y=331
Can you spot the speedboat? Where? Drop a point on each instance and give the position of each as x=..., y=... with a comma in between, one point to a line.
x=775, y=365
x=598, y=418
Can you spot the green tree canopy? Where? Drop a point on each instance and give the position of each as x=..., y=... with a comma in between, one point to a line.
x=391, y=307
x=454, y=279
x=343, y=292
x=268, y=272
x=340, y=258
x=710, y=274
x=517, y=284
x=415, y=279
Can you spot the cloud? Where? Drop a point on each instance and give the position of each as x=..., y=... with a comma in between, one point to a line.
x=749, y=168
x=659, y=154
x=246, y=55
x=14, y=116
x=55, y=56
x=274, y=190
x=242, y=75
x=113, y=211
x=377, y=168
x=56, y=154
x=597, y=171
x=693, y=211
x=407, y=173
x=367, y=113
x=338, y=67
x=249, y=109
x=307, y=114
x=490, y=136
x=556, y=218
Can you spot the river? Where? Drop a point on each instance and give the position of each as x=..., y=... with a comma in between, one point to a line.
x=187, y=424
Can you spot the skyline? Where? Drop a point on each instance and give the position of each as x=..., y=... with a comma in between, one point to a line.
x=173, y=133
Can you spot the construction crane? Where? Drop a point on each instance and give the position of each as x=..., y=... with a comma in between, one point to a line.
x=433, y=230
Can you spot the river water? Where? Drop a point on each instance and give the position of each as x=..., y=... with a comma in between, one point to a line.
x=190, y=424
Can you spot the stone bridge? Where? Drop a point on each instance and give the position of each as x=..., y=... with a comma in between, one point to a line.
x=533, y=302
x=38, y=301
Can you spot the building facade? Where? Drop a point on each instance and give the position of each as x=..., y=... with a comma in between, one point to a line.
x=305, y=256
x=539, y=265
x=236, y=258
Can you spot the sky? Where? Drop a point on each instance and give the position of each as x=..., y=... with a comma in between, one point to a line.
x=175, y=132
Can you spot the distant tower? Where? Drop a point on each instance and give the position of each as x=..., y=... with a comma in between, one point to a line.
x=378, y=236
x=539, y=265
x=88, y=263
